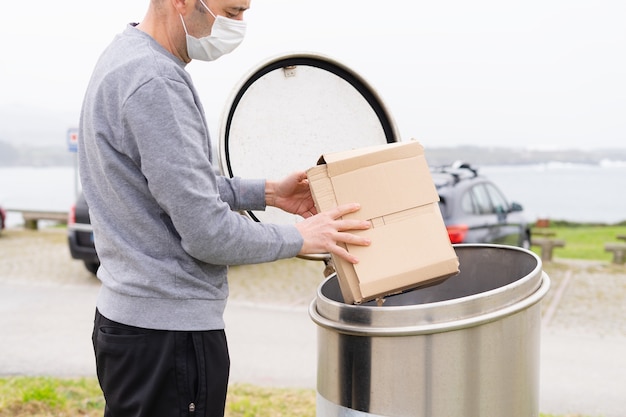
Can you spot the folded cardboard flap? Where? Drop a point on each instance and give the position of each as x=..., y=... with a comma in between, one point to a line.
x=339, y=163
x=410, y=245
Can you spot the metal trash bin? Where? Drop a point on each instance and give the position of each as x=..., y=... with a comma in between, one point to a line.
x=466, y=347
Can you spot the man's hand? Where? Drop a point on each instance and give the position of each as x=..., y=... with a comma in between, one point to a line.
x=292, y=195
x=323, y=232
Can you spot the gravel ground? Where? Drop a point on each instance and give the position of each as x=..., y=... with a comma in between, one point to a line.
x=42, y=257
x=582, y=345
x=585, y=297
x=39, y=256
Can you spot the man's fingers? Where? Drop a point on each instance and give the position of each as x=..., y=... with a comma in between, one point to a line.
x=344, y=254
x=346, y=225
x=352, y=239
x=329, y=231
x=344, y=209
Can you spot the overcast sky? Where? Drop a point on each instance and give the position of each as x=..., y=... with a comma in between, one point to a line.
x=537, y=73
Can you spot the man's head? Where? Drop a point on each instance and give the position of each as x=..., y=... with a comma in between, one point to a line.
x=196, y=29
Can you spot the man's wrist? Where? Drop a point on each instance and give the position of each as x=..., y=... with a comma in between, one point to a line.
x=270, y=193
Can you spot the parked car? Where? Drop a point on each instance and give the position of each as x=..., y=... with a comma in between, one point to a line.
x=3, y=218
x=475, y=210
x=80, y=235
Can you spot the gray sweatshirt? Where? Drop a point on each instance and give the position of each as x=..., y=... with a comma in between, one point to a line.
x=164, y=224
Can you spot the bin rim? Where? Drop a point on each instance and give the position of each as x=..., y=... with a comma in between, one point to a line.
x=535, y=294
x=446, y=326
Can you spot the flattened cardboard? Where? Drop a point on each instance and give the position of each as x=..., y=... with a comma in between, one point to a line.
x=410, y=245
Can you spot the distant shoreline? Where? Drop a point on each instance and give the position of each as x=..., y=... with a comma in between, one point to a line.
x=490, y=156
x=51, y=156
x=577, y=192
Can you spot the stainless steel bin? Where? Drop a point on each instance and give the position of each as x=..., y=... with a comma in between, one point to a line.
x=467, y=347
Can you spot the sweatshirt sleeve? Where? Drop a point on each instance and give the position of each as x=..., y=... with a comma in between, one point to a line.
x=166, y=135
x=242, y=194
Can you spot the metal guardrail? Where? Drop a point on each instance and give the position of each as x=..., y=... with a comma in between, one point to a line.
x=32, y=217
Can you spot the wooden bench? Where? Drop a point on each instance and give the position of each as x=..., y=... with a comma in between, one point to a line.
x=32, y=217
x=547, y=246
x=544, y=232
x=619, y=251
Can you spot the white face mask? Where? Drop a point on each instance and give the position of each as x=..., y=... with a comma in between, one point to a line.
x=226, y=35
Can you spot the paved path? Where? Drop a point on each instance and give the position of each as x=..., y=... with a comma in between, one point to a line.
x=46, y=331
x=583, y=375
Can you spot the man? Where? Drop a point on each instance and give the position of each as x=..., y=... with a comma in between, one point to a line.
x=165, y=225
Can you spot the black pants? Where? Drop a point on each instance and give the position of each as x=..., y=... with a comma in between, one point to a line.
x=156, y=373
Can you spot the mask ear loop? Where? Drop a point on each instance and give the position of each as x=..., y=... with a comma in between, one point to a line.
x=207, y=7
x=183, y=21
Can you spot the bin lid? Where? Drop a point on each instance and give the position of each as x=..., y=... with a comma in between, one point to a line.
x=290, y=110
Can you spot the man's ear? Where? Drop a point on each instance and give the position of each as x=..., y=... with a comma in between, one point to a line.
x=182, y=6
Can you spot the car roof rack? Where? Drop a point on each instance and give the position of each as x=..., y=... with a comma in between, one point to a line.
x=458, y=170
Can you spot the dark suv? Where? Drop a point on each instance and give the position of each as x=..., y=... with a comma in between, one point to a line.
x=80, y=235
x=476, y=211
x=473, y=209
x=3, y=218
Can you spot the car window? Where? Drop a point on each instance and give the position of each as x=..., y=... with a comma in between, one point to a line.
x=467, y=203
x=497, y=199
x=482, y=200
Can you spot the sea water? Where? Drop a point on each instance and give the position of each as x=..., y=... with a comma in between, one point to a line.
x=565, y=191
x=559, y=191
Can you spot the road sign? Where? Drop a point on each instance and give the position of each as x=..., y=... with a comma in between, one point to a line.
x=72, y=139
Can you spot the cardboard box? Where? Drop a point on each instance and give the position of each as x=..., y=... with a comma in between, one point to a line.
x=410, y=245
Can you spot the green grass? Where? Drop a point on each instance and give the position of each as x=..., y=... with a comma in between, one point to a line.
x=61, y=397
x=44, y=397
x=584, y=241
x=252, y=401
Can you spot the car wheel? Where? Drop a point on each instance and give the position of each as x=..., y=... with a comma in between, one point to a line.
x=92, y=267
